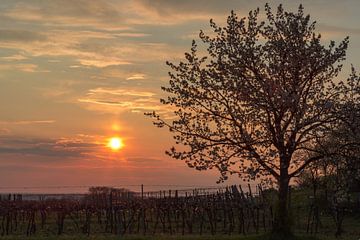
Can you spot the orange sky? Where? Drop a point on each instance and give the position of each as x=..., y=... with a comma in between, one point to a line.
x=75, y=73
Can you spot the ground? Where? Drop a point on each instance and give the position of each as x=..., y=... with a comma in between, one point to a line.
x=167, y=237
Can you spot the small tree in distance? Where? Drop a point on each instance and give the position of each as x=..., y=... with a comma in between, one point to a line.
x=258, y=102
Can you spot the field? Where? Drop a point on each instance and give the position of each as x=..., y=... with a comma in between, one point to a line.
x=166, y=237
x=229, y=213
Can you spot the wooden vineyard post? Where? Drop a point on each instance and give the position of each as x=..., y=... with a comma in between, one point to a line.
x=142, y=191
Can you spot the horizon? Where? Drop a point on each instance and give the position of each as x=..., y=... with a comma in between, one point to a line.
x=58, y=189
x=78, y=77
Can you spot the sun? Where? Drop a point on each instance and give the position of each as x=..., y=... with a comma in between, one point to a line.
x=115, y=143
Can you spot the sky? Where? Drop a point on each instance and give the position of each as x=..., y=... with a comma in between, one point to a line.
x=74, y=73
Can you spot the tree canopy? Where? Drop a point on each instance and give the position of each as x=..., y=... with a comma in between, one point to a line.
x=262, y=95
x=260, y=101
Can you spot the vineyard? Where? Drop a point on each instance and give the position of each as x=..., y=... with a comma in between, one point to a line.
x=198, y=211
x=230, y=210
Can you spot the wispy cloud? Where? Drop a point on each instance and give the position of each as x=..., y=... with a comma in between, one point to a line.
x=330, y=32
x=172, y=12
x=4, y=131
x=121, y=73
x=68, y=43
x=132, y=34
x=117, y=100
x=15, y=57
x=7, y=35
x=91, y=48
x=68, y=13
x=103, y=62
x=63, y=147
x=24, y=67
x=26, y=122
x=120, y=92
x=137, y=76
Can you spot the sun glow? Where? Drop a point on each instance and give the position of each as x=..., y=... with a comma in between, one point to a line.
x=115, y=143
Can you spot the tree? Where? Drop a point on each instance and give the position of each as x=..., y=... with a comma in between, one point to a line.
x=107, y=191
x=258, y=102
x=342, y=150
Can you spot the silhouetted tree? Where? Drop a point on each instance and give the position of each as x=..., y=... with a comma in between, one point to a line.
x=258, y=102
x=341, y=166
x=103, y=190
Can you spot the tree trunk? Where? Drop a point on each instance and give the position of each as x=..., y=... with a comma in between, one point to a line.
x=282, y=224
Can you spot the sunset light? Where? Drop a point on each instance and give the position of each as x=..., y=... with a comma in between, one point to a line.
x=168, y=119
x=115, y=143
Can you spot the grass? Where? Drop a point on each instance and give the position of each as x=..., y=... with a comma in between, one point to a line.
x=168, y=237
x=157, y=237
